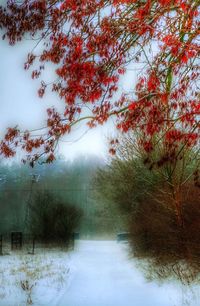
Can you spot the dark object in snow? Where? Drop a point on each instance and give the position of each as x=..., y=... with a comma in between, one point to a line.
x=123, y=236
x=33, y=246
x=74, y=236
x=16, y=240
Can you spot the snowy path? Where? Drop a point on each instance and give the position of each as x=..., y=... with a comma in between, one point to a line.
x=105, y=277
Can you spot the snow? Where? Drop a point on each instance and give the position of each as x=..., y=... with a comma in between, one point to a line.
x=106, y=276
x=96, y=273
x=34, y=279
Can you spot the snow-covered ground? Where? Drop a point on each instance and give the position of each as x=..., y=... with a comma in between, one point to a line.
x=34, y=279
x=105, y=276
x=96, y=273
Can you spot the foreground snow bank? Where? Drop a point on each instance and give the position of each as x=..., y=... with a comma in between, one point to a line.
x=96, y=273
x=34, y=279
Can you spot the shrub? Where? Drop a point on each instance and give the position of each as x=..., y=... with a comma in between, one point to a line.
x=52, y=219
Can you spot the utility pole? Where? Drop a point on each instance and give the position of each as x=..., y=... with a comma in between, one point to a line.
x=34, y=179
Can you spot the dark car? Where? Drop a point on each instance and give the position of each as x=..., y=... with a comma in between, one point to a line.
x=124, y=236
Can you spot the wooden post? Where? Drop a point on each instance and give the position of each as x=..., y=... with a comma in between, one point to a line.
x=16, y=240
x=33, y=246
x=1, y=244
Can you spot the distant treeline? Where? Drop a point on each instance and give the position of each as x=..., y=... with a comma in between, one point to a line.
x=70, y=181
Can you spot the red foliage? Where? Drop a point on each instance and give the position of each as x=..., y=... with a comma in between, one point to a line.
x=91, y=42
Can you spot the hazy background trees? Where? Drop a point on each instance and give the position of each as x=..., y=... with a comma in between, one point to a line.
x=69, y=182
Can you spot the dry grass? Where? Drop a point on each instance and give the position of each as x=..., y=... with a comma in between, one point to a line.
x=32, y=277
